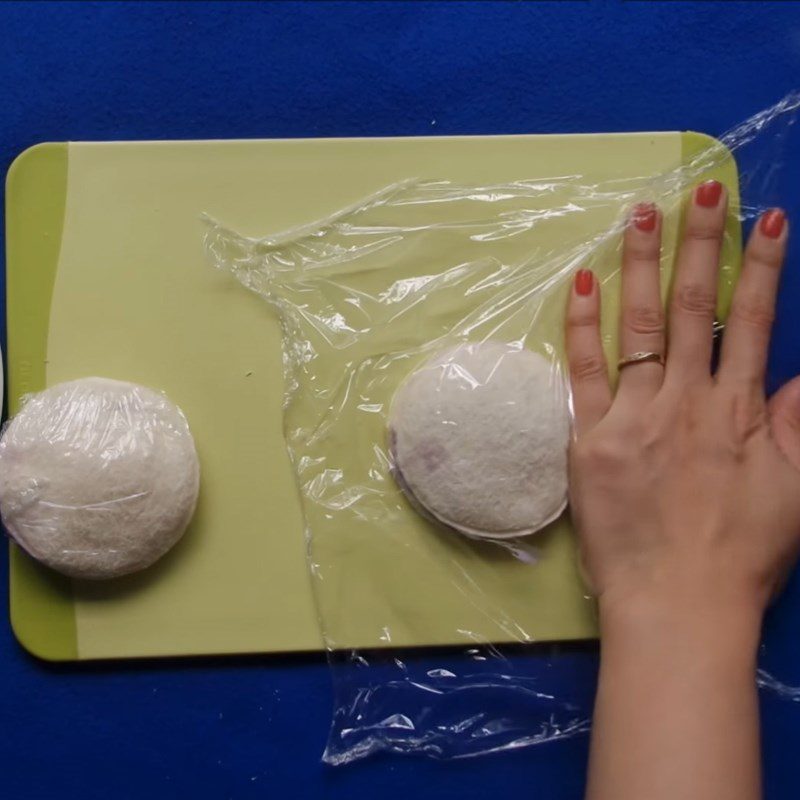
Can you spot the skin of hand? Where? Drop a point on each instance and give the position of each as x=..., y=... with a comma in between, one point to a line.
x=685, y=491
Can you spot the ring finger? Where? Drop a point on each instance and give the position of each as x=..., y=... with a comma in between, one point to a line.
x=642, y=316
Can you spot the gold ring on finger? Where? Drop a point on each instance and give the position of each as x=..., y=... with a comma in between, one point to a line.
x=640, y=358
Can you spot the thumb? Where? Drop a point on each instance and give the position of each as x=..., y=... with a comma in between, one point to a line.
x=784, y=410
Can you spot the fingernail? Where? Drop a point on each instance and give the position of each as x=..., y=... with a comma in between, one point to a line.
x=584, y=281
x=644, y=217
x=772, y=223
x=708, y=194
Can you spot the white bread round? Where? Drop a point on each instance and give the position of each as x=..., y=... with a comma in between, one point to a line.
x=98, y=478
x=479, y=438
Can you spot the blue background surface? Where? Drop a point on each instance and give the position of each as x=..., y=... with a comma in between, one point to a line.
x=256, y=727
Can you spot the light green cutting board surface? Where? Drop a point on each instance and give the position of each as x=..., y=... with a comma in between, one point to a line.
x=106, y=276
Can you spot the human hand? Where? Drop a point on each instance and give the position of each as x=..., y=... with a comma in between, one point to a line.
x=685, y=486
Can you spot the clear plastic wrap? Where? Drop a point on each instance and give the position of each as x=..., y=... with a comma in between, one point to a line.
x=451, y=628
x=98, y=478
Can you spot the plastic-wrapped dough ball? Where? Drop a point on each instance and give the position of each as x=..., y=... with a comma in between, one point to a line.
x=479, y=438
x=98, y=478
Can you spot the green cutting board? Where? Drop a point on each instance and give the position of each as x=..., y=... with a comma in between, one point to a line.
x=106, y=276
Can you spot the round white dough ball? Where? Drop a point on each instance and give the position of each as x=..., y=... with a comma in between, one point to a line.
x=98, y=478
x=479, y=438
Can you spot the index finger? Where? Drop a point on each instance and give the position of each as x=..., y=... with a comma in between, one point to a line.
x=749, y=326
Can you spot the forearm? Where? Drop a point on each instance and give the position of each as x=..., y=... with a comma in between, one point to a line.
x=676, y=714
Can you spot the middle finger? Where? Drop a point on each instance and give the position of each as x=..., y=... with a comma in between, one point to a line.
x=694, y=295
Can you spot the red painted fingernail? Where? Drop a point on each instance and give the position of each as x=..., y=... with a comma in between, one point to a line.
x=584, y=281
x=772, y=223
x=708, y=194
x=644, y=217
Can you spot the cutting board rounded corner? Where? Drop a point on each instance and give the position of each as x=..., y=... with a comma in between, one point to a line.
x=36, y=152
x=699, y=140
x=43, y=621
x=33, y=644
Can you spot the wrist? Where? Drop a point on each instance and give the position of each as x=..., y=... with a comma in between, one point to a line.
x=684, y=611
